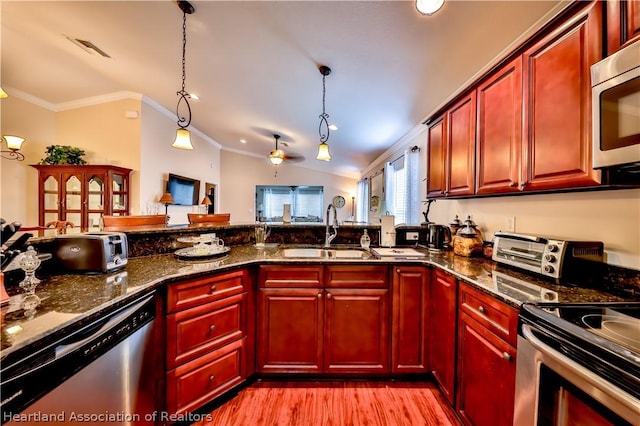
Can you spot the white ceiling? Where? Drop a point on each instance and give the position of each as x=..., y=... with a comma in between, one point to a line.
x=254, y=64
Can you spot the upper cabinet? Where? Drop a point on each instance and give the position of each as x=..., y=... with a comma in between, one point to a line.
x=526, y=126
x=451, y=153
x=623, y=23
x=81, y=194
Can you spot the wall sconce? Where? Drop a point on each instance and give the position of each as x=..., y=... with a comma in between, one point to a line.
x=14, y=143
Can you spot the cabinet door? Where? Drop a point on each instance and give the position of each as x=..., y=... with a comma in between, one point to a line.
x=436, y=148
x=73, y=198
x=49, y=188
x=443, y=331
x=461, y=147
x=356, y=331
x=409, y=335
x=557, y=99
x=623, y=24
x=500, y=130
x=487, y=372
x=289, y=329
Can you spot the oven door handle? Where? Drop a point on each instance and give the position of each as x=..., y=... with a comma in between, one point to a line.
x=628, y=404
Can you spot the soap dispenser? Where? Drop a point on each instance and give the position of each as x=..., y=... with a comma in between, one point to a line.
x=365, y=240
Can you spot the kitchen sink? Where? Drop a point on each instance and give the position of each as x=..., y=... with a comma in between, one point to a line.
x=330, y=253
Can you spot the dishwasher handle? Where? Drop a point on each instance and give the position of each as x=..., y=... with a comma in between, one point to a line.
x=126, y=319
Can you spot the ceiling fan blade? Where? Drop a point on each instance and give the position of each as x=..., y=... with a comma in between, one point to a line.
x=293, y=158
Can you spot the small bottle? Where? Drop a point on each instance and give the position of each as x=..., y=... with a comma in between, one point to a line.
x=365, y=240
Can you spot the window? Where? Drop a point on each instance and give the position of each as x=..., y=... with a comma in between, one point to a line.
x=401, y=189
x=306, y=203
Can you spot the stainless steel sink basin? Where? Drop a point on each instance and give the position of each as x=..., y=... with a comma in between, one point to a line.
x=319, y=253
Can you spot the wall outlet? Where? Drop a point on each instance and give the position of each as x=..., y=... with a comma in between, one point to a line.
x=510, y=224
x=412, y=236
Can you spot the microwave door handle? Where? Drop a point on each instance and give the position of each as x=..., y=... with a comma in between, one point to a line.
x=563, y=365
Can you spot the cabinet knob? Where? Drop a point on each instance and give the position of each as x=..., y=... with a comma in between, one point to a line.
x=328, y=295
x=506, y=356
x=482, y=309
x=212, y=327
x=213, y=288
x=319, y=295
x=212, y=378
x=513, y=184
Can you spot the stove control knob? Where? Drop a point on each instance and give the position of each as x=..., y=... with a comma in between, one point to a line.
x=549, y=269
x=552, y=248
x=550, y=258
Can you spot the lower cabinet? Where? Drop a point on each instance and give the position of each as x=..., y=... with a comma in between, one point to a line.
x=207, y=343
x=323, y=319
x=443, y=331
x=486, y=359
x=410, y=323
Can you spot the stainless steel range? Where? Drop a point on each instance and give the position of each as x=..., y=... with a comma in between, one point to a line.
x=578, y=364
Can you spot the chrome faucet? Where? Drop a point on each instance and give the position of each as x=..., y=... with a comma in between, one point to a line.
x=328, y=236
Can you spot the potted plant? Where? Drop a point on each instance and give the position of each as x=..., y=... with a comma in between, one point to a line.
x=63, y=154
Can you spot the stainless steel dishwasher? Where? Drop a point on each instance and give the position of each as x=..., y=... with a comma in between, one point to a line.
x=96, y=374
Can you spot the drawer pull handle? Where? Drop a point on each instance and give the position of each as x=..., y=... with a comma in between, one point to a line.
x=212, y=327
x=212, y=378
x=482, y=310
x=506, y=356
x=213, y=288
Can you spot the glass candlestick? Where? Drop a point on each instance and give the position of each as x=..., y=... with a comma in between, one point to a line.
x=29, y=263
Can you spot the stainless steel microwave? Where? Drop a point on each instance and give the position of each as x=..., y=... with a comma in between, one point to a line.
x=615, y=83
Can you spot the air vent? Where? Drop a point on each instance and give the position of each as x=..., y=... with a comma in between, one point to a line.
x=587, y=252
x=87, y=46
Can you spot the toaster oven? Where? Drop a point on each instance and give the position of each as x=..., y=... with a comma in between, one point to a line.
x=91, y=252
x=568, y=261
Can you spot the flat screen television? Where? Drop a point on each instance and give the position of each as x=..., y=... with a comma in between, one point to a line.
x=184, y=190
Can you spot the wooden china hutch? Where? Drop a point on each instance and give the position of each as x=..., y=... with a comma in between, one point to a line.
x=81, y=194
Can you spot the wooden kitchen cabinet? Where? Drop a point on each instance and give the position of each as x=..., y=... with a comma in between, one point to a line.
x=451, y=150
x=81, y=194
x=557, y=104
x=443, y=331
x=315, y=319
x=410, y=324
x=500, y=130
x=208, y=338
x=486, y=359
x=623, y=23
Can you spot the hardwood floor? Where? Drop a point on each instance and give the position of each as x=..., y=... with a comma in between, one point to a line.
x=334, y=403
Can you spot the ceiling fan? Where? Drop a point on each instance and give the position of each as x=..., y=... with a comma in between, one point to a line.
x=277, y=156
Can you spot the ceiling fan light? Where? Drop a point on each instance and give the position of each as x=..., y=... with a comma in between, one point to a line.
x=276, y=157
x=323, y=152
x=183, y=139
x=429, y=7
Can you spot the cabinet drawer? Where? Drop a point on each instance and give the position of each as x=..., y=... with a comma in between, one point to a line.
x=187, y=294
x=498, y=317
x=290, y=276
x=363, y=276
x=195, y=331
x=194, y=384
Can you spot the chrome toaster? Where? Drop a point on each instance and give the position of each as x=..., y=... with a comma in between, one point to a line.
x=91, y=252
x=559, y=259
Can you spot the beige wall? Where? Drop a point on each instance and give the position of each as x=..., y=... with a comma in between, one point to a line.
x=240, y=174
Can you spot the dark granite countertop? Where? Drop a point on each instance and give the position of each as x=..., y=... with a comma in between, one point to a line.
x=69, y=300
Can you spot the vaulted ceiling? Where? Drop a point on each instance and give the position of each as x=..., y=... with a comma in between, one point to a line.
x=254, y=64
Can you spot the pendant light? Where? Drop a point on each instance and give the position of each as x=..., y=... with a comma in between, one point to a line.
x=277, y=155
x=183, y=136
x=323, y=129
x=429, y=7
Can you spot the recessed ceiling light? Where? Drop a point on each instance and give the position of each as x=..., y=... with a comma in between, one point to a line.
x=243, y=141
x=333, y=127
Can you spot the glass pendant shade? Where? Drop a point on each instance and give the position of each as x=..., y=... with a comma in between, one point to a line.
x=323, y=152
x=429, y=7
x=276, y=157
x=183, y=139
x=14, y=143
